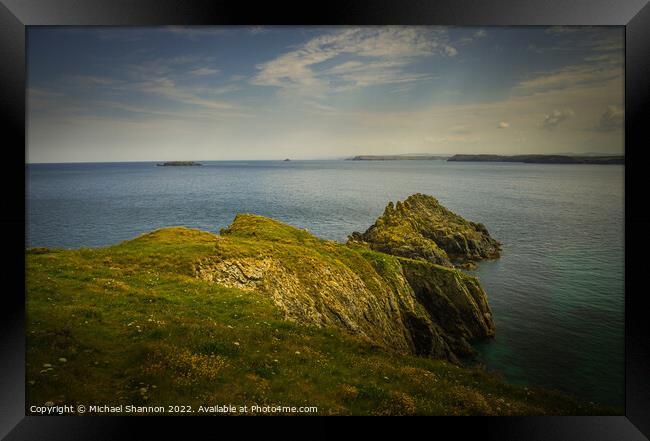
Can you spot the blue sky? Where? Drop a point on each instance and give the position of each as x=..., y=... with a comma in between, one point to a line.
x=166, y=93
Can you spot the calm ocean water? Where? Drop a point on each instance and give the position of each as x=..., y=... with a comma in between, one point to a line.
x=556, y=293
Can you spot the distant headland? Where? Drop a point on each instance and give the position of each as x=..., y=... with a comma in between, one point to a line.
x=541, y=159
x=529, y=159
x=397, y=157
x=178, y=164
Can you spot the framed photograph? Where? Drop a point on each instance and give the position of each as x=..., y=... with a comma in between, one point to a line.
x=422, y=209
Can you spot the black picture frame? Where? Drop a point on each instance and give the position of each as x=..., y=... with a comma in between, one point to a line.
x=16, y=15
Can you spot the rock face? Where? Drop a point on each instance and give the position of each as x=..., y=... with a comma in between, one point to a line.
x=421, y=228
x=454, y=301
x=405, y=305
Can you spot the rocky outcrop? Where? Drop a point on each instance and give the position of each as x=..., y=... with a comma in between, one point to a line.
x=408, y=306
x=421, y=228
x=454, y=301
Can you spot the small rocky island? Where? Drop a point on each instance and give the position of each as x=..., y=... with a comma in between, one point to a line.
x=178, y=164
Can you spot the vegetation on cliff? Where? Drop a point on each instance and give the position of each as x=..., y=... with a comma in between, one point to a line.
x=181, y=316
x=314, y=281
x=421, y=228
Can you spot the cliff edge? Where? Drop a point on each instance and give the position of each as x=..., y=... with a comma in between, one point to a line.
x=404, y=305
x=262, y=313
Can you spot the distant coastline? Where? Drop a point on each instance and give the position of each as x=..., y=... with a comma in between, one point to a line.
x=178, y=164
x=541, y=159
x=527, y=159
x=398, y=157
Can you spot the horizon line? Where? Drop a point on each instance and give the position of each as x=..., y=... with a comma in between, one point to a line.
x=339, y=158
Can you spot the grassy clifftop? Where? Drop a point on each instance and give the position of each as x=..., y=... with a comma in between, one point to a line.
x=314, y=281
x=181, y=316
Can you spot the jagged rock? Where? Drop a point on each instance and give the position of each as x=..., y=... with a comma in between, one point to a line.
x=453, y=300
x=405, y=305
x=421, y=228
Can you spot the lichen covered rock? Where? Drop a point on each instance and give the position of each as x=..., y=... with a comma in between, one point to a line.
x=454, y=300
x=404, y=305
x=421, y=228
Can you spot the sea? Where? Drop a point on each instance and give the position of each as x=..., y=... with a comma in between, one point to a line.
x=557, y=292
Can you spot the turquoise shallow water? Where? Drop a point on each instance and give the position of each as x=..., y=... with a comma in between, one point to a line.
x=557, y=291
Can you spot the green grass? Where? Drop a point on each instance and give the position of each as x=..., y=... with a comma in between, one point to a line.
x=135, y=326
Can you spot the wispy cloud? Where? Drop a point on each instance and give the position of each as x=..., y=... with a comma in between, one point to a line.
x=612, y=119
x=384, y=89
x=202, y=71
x=562, y=30
x=573, y=76
x=52, y=103
x=151, y=112
x=34, y=92
x=91, y=81
x=41, y=99
x=167, y=78
x=481, y=33
x=553, y=119
x=168, y=89
x=170, y=66
x=125, y=34
x=257, y=30
x=574, y=38
x=357, y=57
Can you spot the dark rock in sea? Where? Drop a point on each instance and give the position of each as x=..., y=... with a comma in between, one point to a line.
x=178, y=164
x=421, y=228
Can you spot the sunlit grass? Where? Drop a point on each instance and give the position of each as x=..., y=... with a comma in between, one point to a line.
x=131, y=324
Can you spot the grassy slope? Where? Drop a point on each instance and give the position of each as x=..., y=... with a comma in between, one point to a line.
x=136, y=327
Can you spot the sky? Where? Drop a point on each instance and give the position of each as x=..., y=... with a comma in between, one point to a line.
x=98, y=94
